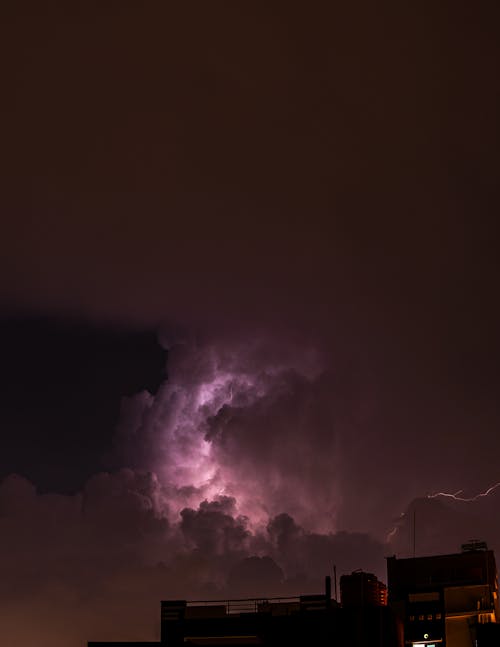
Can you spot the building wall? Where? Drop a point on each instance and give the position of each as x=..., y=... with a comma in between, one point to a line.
x=459, y=633
x=460, y=599
x=444, y=596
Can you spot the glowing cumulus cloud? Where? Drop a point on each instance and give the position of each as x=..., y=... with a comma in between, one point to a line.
x=204, y=385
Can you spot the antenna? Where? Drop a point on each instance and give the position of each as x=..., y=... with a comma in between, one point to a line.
x=414, y=530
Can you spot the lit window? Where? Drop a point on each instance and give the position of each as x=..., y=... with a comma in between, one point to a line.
x=438, y=616
x=422, y=617
x=412, y=618
x=429, y=616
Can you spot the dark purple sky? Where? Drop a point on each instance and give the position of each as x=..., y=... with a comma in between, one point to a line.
x=301, y=205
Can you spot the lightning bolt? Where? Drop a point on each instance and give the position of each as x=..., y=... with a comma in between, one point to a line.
x=456, y=495
x=447, y=495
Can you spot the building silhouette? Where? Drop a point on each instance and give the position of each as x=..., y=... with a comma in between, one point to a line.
x=444, y=600
x=304, y=620
x=436, y=601
x=362, y=589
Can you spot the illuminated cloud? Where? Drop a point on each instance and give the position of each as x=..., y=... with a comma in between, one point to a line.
x=241, y=420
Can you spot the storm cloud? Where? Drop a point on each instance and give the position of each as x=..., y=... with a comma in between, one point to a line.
x=303, y=205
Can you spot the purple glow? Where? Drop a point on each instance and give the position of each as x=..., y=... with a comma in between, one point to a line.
x=213, y=394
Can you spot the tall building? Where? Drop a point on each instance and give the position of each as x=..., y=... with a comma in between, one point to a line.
x=362, y=589
x=442, y=601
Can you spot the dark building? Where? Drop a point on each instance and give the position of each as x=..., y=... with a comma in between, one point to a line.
x=309, y=620
x=362, y=589
x=305, y=620
x=442, y=600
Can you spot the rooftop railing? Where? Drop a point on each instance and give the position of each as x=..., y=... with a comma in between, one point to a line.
x=245, y=605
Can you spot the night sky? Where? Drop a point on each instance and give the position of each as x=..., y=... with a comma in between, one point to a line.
x=249, y=300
